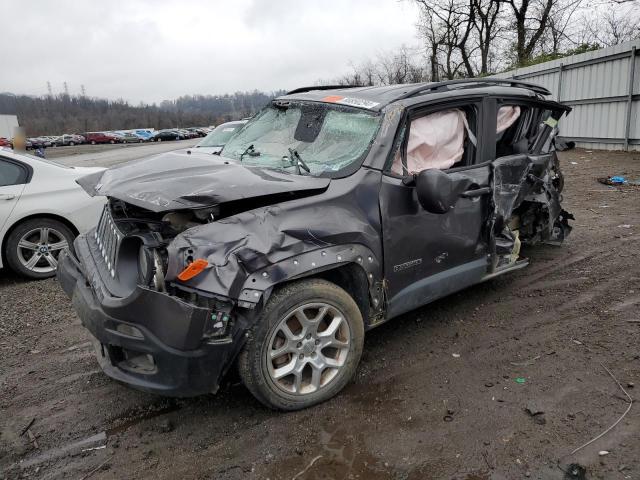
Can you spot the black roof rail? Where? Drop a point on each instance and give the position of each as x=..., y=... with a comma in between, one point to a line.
x=471, y=82
x=320, y=87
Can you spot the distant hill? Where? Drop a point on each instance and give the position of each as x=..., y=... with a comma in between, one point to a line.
x=58, y=114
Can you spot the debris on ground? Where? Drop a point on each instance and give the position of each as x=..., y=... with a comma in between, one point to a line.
x=575, y=472
x=165, y=426
x=24, y=430
x=536, y=412
x=526, y=362
x=617, y=181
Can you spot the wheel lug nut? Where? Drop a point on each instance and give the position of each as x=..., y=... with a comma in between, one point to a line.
x=308, y=336
x=301, y=356
x=299, y=345
x=317, y=342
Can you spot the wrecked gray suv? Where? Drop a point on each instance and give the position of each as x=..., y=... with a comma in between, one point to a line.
x=332, y=211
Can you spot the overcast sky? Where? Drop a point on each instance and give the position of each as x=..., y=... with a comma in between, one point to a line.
x=152, y=50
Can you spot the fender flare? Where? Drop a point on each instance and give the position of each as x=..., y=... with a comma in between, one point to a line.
x=259, y=284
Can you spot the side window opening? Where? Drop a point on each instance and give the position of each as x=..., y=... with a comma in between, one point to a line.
x=444, y=139
x=11, y=174
x=519, y=128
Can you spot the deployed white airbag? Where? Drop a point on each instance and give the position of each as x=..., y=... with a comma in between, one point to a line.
x=507, y=115
x=435, y=141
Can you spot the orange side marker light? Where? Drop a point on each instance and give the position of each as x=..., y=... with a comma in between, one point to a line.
x=194, y=268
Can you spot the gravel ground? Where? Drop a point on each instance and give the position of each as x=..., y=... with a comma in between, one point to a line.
x=535, y=339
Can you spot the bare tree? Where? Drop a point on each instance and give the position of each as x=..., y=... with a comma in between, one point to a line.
x=460, y=35
x=614, y=27
x=488, y=25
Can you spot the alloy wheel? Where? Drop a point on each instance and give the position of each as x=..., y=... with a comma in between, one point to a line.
x=307, y=348
x=39, y=248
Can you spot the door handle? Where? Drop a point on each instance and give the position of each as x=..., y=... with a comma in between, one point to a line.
x=476, y=192
x=7, y=196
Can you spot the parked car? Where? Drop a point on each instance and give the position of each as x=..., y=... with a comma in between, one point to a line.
x=39, y=142
x=42, y=209
x=144, y=134
x=331, y=212
x=164, y=135
x=5, y=142
x=69, y=140
x=184, y=133
x=197, y=132
x=214, y=142
x=128, y=137
x=101, y=137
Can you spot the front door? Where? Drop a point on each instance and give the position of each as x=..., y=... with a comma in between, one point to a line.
x=428, y=255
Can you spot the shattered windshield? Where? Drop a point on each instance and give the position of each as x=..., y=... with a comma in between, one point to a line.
x=220, y=135
x=326, y=138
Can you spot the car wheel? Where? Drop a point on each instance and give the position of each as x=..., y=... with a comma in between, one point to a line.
x=177, y=138
x=71, y=144
x=93, y=142
x=112, y=142
x=33, y=247
x=140, y=141
x=305, y=347
x=159, y=139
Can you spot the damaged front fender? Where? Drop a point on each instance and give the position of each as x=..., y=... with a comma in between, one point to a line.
x=251, y=252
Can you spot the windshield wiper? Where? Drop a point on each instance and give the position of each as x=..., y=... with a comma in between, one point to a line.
x=296, y=160
x=251, y=151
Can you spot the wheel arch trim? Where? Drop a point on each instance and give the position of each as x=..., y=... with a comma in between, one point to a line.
x=260, y=283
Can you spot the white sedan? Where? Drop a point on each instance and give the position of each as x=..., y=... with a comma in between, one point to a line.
x=42, y=209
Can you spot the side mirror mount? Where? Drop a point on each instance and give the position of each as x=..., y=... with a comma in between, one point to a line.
x=436, y=191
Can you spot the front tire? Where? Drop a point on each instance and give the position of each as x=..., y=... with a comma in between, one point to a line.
x=33, y=247
x=305, y=347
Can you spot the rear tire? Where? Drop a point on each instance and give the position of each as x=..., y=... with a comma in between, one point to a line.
x=305, y=347
x=33, y=247
x=93, y=142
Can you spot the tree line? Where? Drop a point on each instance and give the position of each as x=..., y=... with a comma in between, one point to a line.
x=475, y=38
x=64, y=113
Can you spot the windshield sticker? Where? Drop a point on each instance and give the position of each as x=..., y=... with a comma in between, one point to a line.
x=552, y=122
x=354, y=102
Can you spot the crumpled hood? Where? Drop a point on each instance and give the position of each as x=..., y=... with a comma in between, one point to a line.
x=179, y=180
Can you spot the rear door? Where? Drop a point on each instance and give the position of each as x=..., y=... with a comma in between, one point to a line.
x=13, y=177
x=526, y=178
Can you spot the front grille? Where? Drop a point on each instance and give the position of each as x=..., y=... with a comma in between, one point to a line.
x=108, y=238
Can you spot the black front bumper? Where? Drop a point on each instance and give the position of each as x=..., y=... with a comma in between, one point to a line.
x=151, y=341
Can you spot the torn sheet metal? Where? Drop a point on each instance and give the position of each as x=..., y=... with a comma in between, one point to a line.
x=527, y=195
x=253, y=250
x=181, y=180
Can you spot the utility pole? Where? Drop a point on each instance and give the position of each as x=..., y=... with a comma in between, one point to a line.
x=66, y=89
x=49, y=90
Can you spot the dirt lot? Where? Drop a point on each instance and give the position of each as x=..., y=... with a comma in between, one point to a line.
x=109, y=155
x=415, y=410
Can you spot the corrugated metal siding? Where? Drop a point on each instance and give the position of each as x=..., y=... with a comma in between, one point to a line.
x=596, y=85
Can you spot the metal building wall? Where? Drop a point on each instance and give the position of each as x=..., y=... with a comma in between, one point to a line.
x=602, y=87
